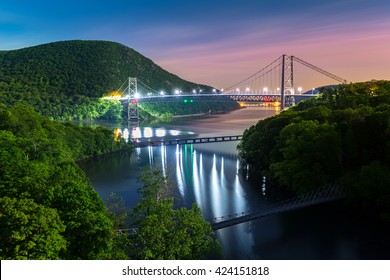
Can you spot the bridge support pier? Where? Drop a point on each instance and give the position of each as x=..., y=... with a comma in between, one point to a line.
x=132, y=105
x=287, y=83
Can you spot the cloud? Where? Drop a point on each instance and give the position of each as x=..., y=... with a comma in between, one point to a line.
x=342, y=48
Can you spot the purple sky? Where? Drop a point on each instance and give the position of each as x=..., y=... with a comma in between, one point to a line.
x=217, y=42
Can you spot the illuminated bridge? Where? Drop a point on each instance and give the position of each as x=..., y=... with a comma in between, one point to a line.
x=274, y=83
x=198, y=140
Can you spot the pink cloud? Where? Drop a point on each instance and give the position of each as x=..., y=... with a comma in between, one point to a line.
x=355, y=52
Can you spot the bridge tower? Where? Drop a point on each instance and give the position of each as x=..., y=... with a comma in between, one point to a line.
x=287, y=81
x=132, y=105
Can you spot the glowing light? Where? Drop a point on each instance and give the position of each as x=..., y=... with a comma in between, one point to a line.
x=300, y=90
x=135, y=133
x=118, y=134
x=137, y=95
x=126, y=134
x=148, y=132
x=160, y=132
x=115, y=94
x=174, y=132
x=177, y=91
x=162, y=93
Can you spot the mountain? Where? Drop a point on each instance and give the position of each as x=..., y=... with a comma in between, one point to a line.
x=87, y=68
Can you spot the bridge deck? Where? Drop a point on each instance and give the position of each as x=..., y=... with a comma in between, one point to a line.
x=328, y=193
x=199, y=140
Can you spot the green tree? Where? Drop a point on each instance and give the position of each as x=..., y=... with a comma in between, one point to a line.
x=311, y=155
x=167, y=233
x=29, y=230
x=117, y=210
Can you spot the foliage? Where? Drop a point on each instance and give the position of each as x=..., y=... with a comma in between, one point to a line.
x=29, y=230
x=310, y=153
x=64, y=80
x=342, y=134
x=49, y=210
x=167, y=233
x=117, y=210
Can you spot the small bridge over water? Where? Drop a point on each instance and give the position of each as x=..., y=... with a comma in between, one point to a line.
x=330, y=192
x=327, y=193
x=200, y=140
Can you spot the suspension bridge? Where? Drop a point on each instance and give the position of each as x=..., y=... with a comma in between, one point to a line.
x=275, y=83
x=330, y=192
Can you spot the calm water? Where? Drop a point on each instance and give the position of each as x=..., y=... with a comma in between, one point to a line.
x=211, y=176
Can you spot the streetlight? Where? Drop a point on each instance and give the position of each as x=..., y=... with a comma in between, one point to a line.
x=265, y=90
x=162, y=93
x=300, y=90
x=238, y=90
x=247, y=90
x=177, y=91
x=214, y=90
x=194, y=91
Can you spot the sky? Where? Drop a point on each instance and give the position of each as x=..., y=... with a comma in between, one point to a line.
x=216, y=42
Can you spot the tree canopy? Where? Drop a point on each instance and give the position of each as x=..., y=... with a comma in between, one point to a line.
x=48, y=208
x=344, y=134
x=167, y=233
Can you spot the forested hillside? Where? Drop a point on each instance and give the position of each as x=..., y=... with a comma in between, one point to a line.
x=48, y=208
x=343, y=135
x=63, y=80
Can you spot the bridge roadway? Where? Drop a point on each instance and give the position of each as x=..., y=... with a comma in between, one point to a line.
x=330, y=192
x=200, y=140
x=327, y=193
x=188, y=98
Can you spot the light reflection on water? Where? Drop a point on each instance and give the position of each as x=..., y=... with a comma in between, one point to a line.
x=136, y=133
x=197, y=173
x=211, y=180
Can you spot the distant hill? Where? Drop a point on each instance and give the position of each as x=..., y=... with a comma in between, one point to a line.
x=88, y=68
x=64, y=80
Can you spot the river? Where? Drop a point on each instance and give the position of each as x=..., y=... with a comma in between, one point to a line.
x=210, y=176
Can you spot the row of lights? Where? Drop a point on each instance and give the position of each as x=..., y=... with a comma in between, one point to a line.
x=265, y=90
x=247, y=90
x=177, y=91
